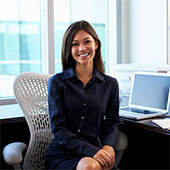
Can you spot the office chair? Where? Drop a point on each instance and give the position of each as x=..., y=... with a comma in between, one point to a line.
x=30, y=91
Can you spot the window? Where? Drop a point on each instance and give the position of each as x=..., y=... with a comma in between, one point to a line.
x=140, y=36
x=75, y=10
x=27, y=27
x=20, y=36
x=144, y=32
x=61, y=22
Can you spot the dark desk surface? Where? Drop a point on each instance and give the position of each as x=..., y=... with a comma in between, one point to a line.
x=147, y=142
x=146, y=124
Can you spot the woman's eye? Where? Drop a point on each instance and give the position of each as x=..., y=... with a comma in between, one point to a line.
x=88, y=41
x=75, y=44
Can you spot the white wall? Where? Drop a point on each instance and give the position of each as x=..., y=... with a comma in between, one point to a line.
x=144, y=31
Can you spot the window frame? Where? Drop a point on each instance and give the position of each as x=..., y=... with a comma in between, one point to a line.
x=47, y=35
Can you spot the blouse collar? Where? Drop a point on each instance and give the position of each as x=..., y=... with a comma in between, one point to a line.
x=69, y=73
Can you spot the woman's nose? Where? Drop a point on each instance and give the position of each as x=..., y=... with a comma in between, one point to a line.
x=81, y=47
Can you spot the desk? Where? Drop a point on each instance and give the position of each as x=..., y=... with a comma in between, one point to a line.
x=148, y=147
x=146, y=124
x=149, y=144
x=146, y=140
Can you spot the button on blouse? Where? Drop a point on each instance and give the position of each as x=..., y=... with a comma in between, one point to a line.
x=92, y=110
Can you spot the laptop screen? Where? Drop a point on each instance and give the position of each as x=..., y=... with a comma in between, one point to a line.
x=150, y=91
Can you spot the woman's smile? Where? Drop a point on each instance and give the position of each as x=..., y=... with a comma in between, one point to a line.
x=83, y=48
x=83, y=56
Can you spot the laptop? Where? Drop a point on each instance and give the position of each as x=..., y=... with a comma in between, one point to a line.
x=149, y=96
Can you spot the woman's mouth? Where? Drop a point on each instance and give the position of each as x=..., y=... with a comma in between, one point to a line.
x=83, y=55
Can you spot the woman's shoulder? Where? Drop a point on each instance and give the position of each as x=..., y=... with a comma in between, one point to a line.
x=62, y=75
x=56, y=77
x=109, y=78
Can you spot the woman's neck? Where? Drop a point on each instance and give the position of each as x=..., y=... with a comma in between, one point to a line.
x=84, y=73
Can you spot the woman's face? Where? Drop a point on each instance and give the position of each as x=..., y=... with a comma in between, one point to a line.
x=83, y=48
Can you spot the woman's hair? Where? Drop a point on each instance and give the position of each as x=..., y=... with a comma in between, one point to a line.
x=66, y=56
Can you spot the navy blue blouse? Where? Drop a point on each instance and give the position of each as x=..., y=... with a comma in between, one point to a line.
x=75, y=110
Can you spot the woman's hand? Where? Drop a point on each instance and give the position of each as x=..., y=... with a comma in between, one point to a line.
x=112, y=153
x=105, y=157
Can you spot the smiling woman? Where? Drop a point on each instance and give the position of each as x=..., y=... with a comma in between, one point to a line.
x=83, y=48
x=82, y=40
x=85, y=132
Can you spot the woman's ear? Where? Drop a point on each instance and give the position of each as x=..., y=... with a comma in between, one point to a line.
x=96, y=45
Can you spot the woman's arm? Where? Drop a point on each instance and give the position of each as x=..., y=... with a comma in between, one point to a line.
x=110, y=129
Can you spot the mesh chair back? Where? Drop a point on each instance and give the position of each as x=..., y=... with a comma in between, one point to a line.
x=30, y=90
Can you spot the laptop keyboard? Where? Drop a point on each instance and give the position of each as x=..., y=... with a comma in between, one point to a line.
x=138, y=110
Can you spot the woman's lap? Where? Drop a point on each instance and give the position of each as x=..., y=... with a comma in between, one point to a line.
x=59, y=162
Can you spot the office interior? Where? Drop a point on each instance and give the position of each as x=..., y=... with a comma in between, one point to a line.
x=135, y=36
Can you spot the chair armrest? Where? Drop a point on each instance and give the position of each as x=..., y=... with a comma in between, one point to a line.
x=12, y=153
x=122, y=142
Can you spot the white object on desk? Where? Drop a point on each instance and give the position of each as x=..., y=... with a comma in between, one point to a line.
x=163, y=123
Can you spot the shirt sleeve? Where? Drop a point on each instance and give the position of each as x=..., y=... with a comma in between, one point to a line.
x=110, y=133
x=58, y=122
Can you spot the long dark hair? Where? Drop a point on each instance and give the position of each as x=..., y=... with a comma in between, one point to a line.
x=66, y=56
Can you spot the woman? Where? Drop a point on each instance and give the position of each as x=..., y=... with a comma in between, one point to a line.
x=83, y=105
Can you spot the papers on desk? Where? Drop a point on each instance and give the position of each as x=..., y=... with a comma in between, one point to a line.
x=163, y=123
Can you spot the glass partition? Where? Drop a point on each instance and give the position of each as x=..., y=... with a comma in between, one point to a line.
x=20, y=49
